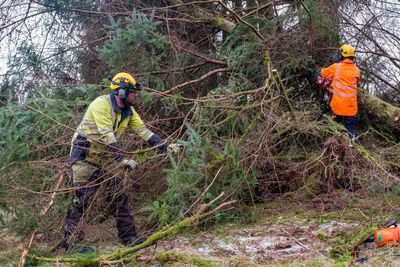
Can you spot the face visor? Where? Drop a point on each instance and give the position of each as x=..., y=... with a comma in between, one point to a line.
x=137, y=88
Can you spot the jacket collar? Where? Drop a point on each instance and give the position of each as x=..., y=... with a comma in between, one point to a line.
x=347, y=60
x=126, y=111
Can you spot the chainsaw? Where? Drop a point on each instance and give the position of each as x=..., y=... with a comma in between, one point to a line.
x=388, y=234
x=323, y=82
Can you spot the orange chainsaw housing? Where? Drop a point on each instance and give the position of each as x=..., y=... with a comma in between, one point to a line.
x=323, y=82
x=387, y=236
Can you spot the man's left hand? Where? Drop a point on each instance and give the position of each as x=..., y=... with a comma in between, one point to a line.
x=174, y=148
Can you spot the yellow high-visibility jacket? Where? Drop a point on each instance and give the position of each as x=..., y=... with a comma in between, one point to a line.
x=102, y=125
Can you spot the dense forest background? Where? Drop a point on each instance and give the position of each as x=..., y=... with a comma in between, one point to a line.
x=230, y=80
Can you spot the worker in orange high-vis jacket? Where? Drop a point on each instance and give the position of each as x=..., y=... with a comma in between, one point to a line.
x=345, y=76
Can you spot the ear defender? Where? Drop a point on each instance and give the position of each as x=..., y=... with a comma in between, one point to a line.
x=339, y=54
x=122, y=90
x=121, y=93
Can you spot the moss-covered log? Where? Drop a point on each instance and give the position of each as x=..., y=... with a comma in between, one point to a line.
x=380, y=113
x=168, y=257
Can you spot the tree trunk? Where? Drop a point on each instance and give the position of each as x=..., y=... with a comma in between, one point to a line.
x=379, y=113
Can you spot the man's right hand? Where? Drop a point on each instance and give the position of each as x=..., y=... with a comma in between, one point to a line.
x=130, y=163
x=174, y=148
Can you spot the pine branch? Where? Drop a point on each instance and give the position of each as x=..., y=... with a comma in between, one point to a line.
x=243, y=21
x=42, y=213
x=196, y=80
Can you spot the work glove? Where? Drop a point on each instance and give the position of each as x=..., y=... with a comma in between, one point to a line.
x=174, y=148
x=130, y=163
x=314, y=75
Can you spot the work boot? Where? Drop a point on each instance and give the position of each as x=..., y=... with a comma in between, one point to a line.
x=68, y=241
x=82, y=249
x=352, y=141
x=133, y=241
x=63, y=245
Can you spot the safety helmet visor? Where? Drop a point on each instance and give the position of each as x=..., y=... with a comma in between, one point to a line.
x=137, y=87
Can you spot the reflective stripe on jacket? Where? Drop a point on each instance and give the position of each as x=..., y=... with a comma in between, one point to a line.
x=103, y=123
x=344, y=87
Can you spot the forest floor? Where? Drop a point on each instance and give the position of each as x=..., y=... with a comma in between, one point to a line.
x=285, y=232
x=281, y=232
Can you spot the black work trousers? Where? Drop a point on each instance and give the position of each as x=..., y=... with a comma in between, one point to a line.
x=118, y=206
x=349, y=123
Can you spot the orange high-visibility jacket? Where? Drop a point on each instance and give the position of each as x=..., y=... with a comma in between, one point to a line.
x=345, y=76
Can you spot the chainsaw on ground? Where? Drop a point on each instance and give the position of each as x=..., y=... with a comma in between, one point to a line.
x=388, y=234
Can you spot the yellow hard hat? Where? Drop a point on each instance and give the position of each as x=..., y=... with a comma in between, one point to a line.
x=122, y=80
x=347, y=50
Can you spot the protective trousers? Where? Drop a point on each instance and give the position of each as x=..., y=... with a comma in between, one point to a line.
x=349, y=123
x=85, y=193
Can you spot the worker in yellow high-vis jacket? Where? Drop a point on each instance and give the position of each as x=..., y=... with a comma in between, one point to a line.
x=94, y=145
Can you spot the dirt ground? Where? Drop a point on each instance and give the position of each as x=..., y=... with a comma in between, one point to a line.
x=284, y=232
x=258, y=244
x=280, y=233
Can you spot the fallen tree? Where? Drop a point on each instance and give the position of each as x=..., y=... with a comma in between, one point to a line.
x=382, y=114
